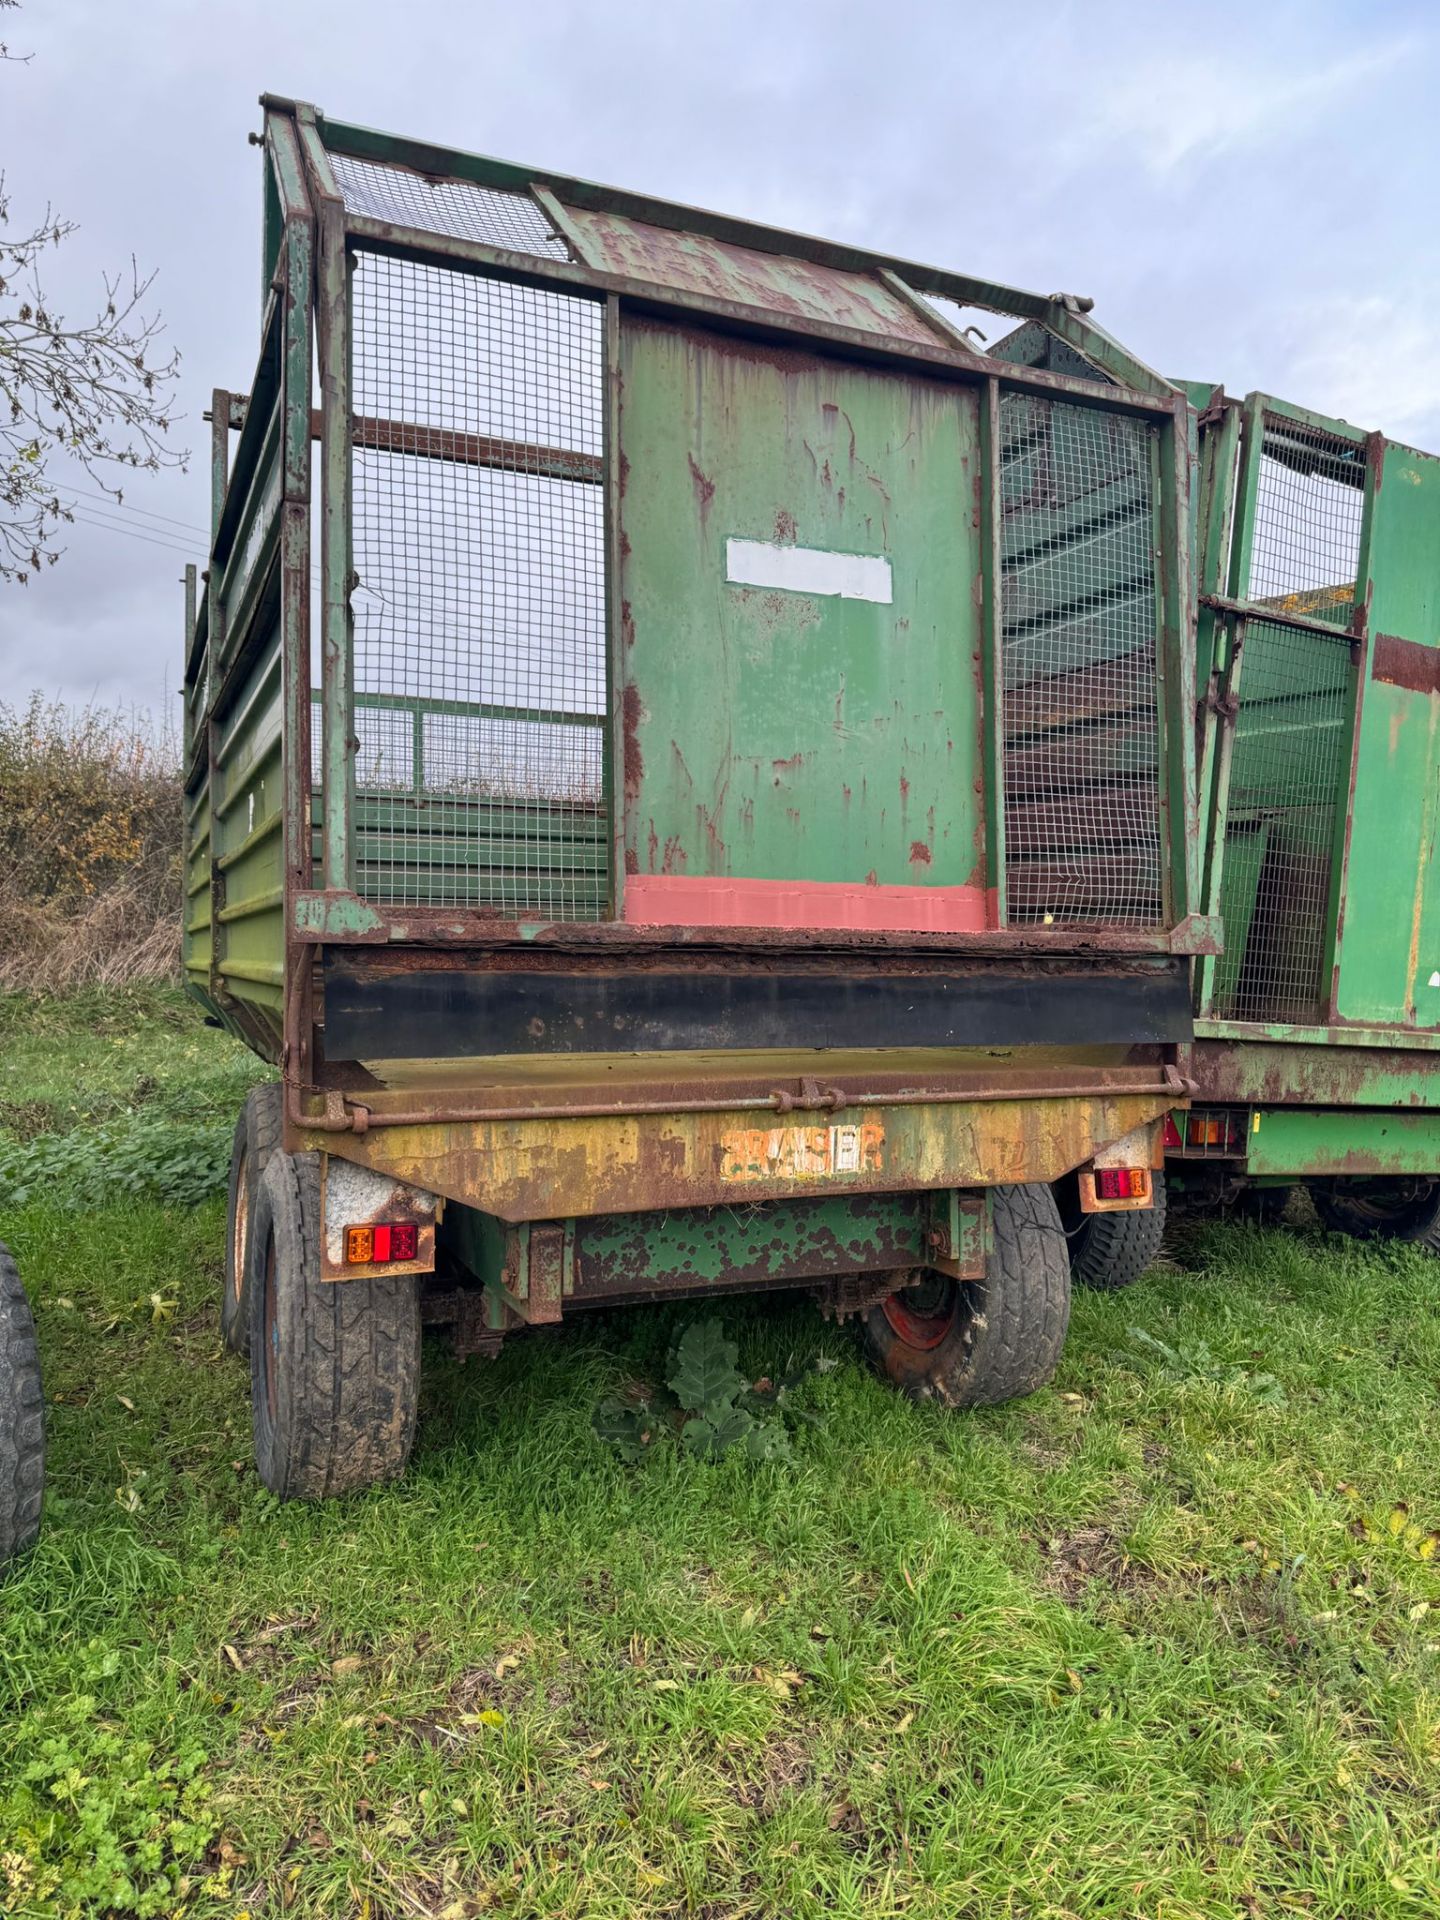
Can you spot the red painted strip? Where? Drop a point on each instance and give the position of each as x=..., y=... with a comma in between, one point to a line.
x=698, y=900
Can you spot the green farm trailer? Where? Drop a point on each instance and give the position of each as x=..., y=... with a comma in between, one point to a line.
x=1317, y=1038
x=689, y=778
x=1316, y=1056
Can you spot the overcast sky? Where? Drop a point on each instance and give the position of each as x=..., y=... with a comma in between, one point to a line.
x=1247, y=190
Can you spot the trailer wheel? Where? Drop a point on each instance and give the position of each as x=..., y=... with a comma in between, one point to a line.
x=975, y=1343
x=22, y=1417
x=334, y=1364
x=1110, y=1250
x=1381, y=1209
x=257, y=1135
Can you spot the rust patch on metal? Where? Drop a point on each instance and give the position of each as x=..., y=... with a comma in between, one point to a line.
x=708, y=818
x=784, y=524
x=704, y=487
x=779, y=613
x=748, y=278
x=631, y=711
x=469, y=449
x=1275, y=1074
x=1405, y=663
x=919, y=854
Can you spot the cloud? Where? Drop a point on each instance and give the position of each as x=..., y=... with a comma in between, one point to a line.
x=1245, y=190
x=1372, y=359
x=1166, y=109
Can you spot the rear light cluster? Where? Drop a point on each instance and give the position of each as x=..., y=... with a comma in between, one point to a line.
x=366, y=1246
x=1206, y=1130
x=1122, y=1183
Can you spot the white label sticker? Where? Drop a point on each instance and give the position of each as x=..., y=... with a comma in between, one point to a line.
x=846, y=1158
x=1435, y=979
x=852, y=576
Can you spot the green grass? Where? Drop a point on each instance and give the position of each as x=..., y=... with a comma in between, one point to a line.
x=1162, y=1640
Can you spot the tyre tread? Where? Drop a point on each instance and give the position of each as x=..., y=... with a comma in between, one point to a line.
x=22, y=1417
x=1015, y=1334
x=1117, y=1248
x=354, y=1354
x=258, y=1133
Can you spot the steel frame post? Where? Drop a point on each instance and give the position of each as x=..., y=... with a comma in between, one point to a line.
x=1176, y=665
x=991, y=648
x=1219, y=455
x=1250, y=430
x=337, y=667
x=1360, y=644
x=613, y=749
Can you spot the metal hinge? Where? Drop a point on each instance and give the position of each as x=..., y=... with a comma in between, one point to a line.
x=1227, y=705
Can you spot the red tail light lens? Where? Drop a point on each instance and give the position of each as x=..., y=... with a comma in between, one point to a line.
x=1122, y=1183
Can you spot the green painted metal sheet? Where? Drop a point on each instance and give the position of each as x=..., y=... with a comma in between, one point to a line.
x=1304, y=1073
x=797, y=735
x=1306, y=1141
x=1390, y=947
x=710, y=1246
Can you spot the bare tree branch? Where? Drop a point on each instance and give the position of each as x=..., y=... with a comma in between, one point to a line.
x=16, y=59
x=95, y=391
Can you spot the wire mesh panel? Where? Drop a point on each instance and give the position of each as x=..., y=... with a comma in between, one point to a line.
x=1309, y=504
x=490, y=215
x=1289, y=764
x=1289, y=767
x=1079, y=630
x=479, y=613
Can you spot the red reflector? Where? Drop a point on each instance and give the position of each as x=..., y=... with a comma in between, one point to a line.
x=382, y=1244
x=1172, y=1132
